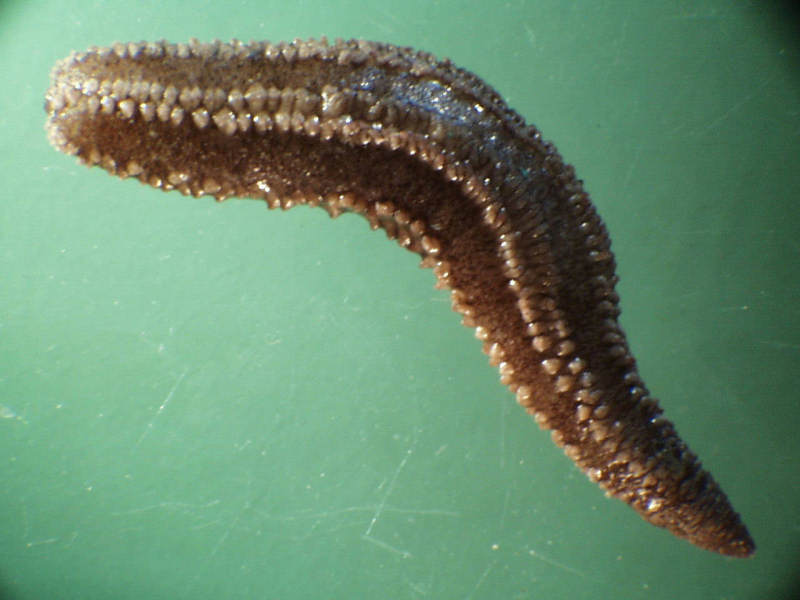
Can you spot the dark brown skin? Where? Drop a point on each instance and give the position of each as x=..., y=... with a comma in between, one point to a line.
x=434, y=156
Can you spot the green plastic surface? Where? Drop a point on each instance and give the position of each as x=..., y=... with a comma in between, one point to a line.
x=217, y=401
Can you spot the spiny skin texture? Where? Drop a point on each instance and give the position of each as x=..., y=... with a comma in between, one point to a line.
x=432, y=155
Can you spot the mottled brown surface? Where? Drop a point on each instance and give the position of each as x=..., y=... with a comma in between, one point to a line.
x=432, y=155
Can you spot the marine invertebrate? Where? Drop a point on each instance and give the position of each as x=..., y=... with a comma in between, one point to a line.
x=432, y=155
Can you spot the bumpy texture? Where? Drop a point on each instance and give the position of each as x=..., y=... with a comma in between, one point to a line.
x=432, y=155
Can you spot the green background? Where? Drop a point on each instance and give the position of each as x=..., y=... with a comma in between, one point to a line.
x=205, y=401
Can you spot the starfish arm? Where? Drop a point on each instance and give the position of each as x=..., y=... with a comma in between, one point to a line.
x=432, y=155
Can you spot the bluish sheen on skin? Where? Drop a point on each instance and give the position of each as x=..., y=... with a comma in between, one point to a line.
x=432, y=155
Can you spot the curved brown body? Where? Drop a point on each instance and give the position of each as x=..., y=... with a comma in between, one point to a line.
x=432, y=155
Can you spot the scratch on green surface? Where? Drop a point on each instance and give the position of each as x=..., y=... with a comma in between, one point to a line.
x=6, y=412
